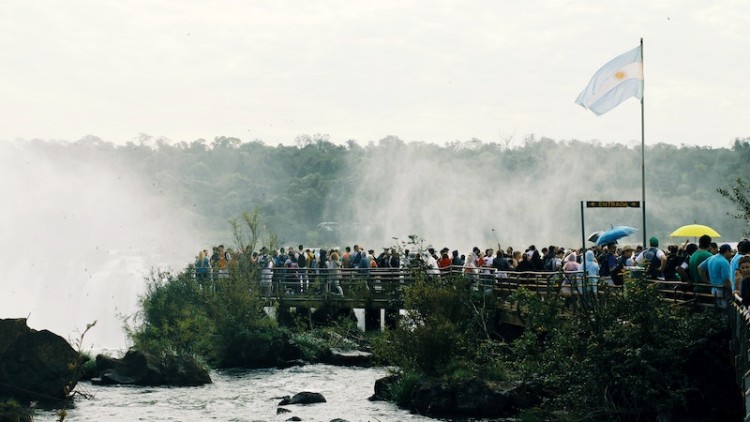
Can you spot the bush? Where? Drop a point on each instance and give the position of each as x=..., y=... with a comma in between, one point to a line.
x=627, y=360
x=445, y=332
x=222, y=322
x=402, y=389
x=11, y=410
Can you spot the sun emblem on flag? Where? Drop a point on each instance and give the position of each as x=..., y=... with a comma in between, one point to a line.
x=620, y=74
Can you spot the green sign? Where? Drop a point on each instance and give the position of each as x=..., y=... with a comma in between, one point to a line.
x=613, y=204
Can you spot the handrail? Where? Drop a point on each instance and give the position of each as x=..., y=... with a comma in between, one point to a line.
x=282, y=281
x=739, y=326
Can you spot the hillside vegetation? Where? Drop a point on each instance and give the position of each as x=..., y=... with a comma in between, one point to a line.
x=447, y=193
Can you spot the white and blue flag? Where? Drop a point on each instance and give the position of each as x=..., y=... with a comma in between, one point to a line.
x=618, y=80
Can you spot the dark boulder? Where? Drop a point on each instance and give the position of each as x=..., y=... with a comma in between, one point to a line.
x=35, y=365
x=304, y=397
x=342, y=357
x=472, y=397
x=140, y=368
x=260, y=348
x=383, y=388
x=281, y=410
x=290, y=363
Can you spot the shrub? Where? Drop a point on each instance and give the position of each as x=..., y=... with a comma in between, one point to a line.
x=445, y=330
x=217, y=321
x=626, y=360
x=402, y=389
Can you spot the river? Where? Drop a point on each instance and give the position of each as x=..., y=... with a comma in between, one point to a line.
x=242, y=395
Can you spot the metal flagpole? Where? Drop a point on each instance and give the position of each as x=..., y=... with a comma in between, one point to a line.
x=643, y=153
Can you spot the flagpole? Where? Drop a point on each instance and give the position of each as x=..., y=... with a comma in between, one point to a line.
x=643, y=154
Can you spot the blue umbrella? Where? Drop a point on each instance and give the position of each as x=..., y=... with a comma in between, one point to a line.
x=614, y=233
x=593, y=237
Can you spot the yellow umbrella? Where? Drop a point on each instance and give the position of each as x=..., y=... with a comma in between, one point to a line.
x=694, y=230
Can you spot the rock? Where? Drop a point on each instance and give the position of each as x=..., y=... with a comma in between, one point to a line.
x=472, y=397
x=290, y=363
x=349, y=357
x=281, y=410
x=140, y=368
x=35, y=365
x=261, y=348
x=304, y=397
x=339, y=420
x=383, y=388
x=295, y=418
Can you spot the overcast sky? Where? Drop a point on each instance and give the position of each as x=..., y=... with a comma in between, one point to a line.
x=433, y=71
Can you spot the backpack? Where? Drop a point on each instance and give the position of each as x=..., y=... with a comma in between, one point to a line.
x=616, y=273
x=548, y=263
x=651, y=256
x=263, y=261
x=356, y=259
x=604, y=264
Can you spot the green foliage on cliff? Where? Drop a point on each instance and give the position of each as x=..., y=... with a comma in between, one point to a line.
x=620, y=357
x=220, y=320
x=11, y=410
x=739, y=195
x=446, y=331
x=637, y=358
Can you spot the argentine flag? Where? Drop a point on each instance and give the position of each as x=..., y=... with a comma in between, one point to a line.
x=615, y=82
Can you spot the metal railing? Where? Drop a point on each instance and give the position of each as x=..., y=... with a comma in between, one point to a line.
x=739, y=327
x=386, y=284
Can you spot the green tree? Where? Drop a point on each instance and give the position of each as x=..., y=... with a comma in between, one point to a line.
x=446, y=330
x=637, y=358
x=739, y=195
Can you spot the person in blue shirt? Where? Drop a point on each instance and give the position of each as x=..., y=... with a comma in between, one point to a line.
x=743, y=248
x=715, y=270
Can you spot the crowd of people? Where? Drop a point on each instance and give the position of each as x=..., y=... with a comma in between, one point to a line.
x=703, y=264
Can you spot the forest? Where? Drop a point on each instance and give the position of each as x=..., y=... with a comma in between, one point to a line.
x=459, y=194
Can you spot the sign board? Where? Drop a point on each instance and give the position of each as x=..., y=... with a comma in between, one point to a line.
x=613, y=204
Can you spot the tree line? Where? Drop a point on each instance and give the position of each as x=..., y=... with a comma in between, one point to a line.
x=297, y=187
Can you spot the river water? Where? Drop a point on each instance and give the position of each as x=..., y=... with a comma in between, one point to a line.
x=242, y=395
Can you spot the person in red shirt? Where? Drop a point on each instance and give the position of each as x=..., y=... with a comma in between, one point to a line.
x=445, y=261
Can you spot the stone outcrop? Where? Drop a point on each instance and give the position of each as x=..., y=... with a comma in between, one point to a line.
x=470, y=397
x=342, y=357
x=35, y=365
x=261, y=348
x=304, y=397
x=383, y=388
x=139, y=368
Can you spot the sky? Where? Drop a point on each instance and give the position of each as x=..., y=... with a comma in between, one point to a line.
x=427, y=71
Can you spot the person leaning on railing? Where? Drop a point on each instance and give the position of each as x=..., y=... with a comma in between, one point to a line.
x=716, y=271
x=743, y=279
x=202, y=267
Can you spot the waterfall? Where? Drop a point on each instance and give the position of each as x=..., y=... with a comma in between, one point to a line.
x=78, y=236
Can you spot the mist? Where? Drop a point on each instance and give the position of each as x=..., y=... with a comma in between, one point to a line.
x=79, y=234
x=84, y=222
x=455, y=197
